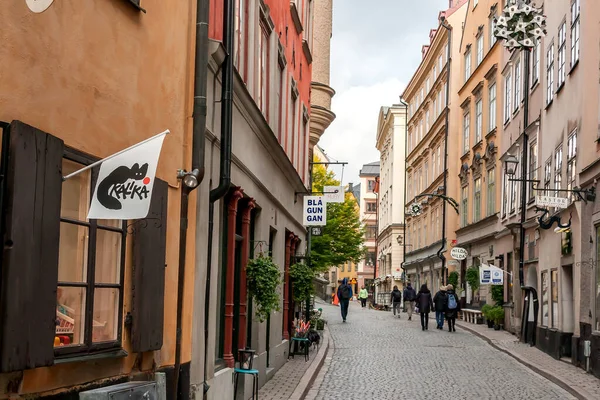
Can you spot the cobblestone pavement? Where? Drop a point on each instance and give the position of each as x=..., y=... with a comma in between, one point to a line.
x=376, y=356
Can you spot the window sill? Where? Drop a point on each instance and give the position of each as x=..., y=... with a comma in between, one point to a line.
x=478, y=144
x=562, y=85
x=136, y=4
x=549, y=104
x=573, y=67
x=490, y=133
x=88, y=357
x=534, y=85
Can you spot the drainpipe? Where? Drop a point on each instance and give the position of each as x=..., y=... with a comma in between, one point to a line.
x=405, y=104
x=198, y=141
x=440, y=252
x=225, y=160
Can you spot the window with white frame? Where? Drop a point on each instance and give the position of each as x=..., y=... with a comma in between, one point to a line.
x=466, y=131
x=241, y=35
x=492, y=26
x=575, y=26
x=478, y=119
x=432, y=225
x=410, y=139
x=467, y=65
x=547, y=176
x=263, y=70
x=562, y=52
x=535, y=63
x=426, y=168
x=477, y=200
x=440, y=63
x=558, y=170
x=532, y=168
x=427, y=85
x=480, y=49
x=433, y=167
x=550, y=74
x=571, y=161
x=491, y=191
x=408, y=187
x=427, y=116
x=504, y=189
x=492, y=105
x=517, y=84
x=439, y=160
x=434, y=72
x=507, y=97
x=464, y=209
x=420, y=130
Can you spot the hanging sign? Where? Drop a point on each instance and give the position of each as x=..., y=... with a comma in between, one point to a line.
x=458, y=253
x=333, y=194
x=316, y=231
x=125, y=181
x=485, y=275
x=315, y=211
x=549, y=201
x=497, y=275
x=490, y=274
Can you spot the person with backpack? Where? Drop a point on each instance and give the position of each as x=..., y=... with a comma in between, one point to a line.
x=439, y=304
x=363, y=295
x=425, y=304
x=409, y=300
x=396, y=300
x=344, y=293
x=452, y=308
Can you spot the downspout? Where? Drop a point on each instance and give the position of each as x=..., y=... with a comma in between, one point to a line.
x=225, y=160
x=198, y=141
x=440, y=252
x=405, y=104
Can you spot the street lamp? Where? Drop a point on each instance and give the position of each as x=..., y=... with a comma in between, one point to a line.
x=510, y=165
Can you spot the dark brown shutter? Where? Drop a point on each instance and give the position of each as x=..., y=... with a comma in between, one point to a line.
x=149, y=254
x=30, y=256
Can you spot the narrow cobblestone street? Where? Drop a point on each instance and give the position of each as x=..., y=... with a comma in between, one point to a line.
x=377, y=356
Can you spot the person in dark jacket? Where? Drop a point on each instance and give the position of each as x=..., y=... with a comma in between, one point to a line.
x=396, y=300
x=452, y=307
x=425, y=304
x=344, y=294
x=439, y=302
x=409, y=300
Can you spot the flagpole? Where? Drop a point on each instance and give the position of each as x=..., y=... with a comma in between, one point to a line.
x=72, y=174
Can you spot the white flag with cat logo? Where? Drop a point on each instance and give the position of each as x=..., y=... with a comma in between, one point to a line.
x=125, y=181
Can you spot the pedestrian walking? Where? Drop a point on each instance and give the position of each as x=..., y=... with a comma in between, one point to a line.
x=396, y=300
x=344, y=293
x=425, y=304
x=452, y=308
x=409, y=300
x=439, y=302
x=363, y=295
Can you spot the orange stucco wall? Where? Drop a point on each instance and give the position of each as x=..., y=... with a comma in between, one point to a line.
x=102, y=76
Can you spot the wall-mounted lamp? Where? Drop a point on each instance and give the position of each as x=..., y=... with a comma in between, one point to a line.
x=190, y=179
x=510, y=165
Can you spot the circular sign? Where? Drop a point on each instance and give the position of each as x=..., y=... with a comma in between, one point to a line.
x=416, y=209
x=458, y=253
x=38, y=6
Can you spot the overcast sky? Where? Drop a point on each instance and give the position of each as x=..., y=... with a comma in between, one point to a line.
x=374, y=52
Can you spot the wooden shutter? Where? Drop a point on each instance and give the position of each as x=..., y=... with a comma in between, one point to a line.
x=30, y=255
x=149, y=254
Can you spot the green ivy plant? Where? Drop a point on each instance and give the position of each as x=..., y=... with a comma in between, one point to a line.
x=263, y=278
x=472, y=278
x=453, y=280
x=498, y=294
x=302, y=281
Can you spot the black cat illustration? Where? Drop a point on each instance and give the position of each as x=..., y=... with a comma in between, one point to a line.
x=118, y=177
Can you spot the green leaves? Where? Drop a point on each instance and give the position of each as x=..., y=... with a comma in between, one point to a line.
x=302, y=281
x=453, y=280
x=472, y=277
x=263, y=278
x=342, y=240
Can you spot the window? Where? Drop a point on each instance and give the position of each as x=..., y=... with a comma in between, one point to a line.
x=467, y=65
x=371, y=232
x=550, y=74
x=545, y=299
x=597, y=308
x=90, y=269
x=491, y=192
x=263, y=70
x=466, y=133
x=478, y=120
x=532, y=169
x=427, y=85
x=507, y=97
x=509, y=277
x=439, y=160
x=371, y=207
x=479, y=49
x=437, y=223
x=492, y=26
x=475, y=3
x=426, y=121
x=464, y=211
x=418, y=234
x=554, y=290
x=440, y=102
x=535, y=69
x=440, y=63
x=433, y=167
x=547, y=176
x=371, y=185
x=562, y=52
x=558, y=169
x=477, y=200
x=425, y=242
x=517, y=84
x=408, y=187
x=426, y=168
x=571, y=162
x=410, y=146
x=281, y=87
x=241, y=34
x=504, y=194
x=434, y=72
x=492, y=112
x=575, y=25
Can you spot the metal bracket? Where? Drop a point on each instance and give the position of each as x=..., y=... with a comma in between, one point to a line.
x=450, y=200
x=142, y=223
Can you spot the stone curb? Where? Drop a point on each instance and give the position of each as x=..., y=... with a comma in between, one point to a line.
x=548, y=375
x=312, y=392
x=312, y=371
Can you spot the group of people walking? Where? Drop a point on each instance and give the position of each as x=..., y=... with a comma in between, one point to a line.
x=445, y=304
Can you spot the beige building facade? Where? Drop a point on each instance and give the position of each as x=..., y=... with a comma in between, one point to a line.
x=368, y=175
x=430, y=158
x=391, y=142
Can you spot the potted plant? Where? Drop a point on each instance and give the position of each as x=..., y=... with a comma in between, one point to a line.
x=498, y=317
x=486, y=311
x=263, y=278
